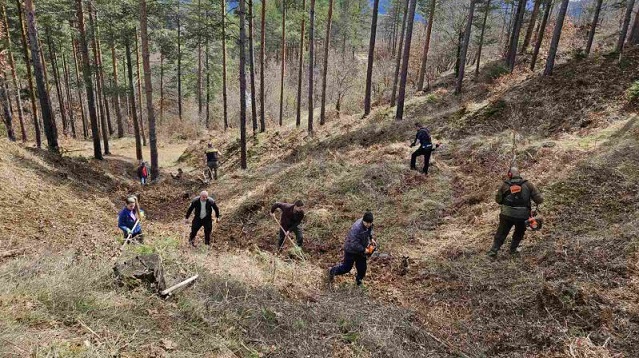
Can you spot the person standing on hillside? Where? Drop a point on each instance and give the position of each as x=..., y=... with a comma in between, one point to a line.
x=212, y=159
x=514, y=196
x=292, y=215
x=425, y=147
x=203, y=207
x=129, y=219
x=359, y=243
x=143, y=173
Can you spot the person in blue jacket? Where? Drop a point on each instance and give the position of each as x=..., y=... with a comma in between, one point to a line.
x=425, y=147
x=357, y=242
x=127, y=218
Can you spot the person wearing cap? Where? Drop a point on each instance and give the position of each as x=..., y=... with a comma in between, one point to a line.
x=203, y=207
x=425, y=147
x=359, y=237
x=143, y=173
x=292, y=215
x=514, y=196
x=212, y=158
x=129, y=219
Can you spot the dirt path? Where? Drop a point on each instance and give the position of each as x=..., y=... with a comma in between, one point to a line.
x=168, y=153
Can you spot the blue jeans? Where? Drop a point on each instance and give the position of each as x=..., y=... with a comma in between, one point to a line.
x=345, y=267
x=143, y=181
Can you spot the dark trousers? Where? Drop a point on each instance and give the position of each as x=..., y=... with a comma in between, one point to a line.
x=506, y=223
x=298, y=235
x=213, y=166
x=345, y=267
x=137, y=236
x=421, y=151
x=198, y=223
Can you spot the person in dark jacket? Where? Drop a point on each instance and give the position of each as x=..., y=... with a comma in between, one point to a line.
x=358, y=239
x=212, y=158
x=203, y=207
x=292, y=215
x=127, y=218
x=514, y=196
x=425, y=147
x=143, y=173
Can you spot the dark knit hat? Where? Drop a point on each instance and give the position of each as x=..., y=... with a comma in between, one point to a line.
x=368, y=217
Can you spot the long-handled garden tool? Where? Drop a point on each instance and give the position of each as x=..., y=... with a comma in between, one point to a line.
x=288, y=236
x=129, y=237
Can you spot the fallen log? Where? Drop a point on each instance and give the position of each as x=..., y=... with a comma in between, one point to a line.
x=177, y=286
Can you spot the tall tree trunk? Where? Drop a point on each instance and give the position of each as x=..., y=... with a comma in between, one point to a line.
x=481, y=37
x=56, y=80
x=593, y=26
x=199, y=60
x=540, y=35
x=86, y=70
x=262, y=54
x=531, y=26
x=131, y=90
x=148, y=85
x=327, y=42
x=371, y=57
x=283, y=67
x=224, y=94
x=100, y=69
x=161, y=86
x=98, y=87
x=48, y=117
x=179, y=56
x=464, y=48
x=14, y=77
x=85, y=131
x=252, y=66
x=242, y=44
x=514, y=36
x=406, y=56
x=65, y=70
x=6, y=111
x=32, y=95
x=399, y=58
x=139, y=76
x=624, y=28
x=298, y=117
x=554, y=44
x=116, y=93
x=208, y=83
x=311, y=67
x=634, y=33
x=429, y=29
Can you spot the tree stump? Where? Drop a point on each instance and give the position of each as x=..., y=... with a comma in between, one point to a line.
x=141, y=270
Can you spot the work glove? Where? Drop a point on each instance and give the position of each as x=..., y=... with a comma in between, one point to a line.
x=128, y=231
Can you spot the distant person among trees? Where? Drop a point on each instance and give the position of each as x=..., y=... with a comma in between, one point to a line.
x=359, y=243
x=212, y=159
x=177, y=175
x=514, y=196
x=292, y=215
x=425, y=147
x=203, y=207
x=129, y=219
x=143, y=173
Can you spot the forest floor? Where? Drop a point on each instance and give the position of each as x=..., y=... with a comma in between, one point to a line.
x=573, y=292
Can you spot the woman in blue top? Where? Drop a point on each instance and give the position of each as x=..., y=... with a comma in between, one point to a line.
x=128, y=217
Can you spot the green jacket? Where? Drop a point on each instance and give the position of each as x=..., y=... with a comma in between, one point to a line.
x=521, y=208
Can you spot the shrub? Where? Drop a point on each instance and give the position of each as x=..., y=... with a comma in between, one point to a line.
x=633, y=92
x=493, y=71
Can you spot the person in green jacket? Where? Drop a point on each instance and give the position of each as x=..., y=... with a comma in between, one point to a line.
x=514, y=196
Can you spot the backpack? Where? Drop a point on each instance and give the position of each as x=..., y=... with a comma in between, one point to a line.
x=517, y=195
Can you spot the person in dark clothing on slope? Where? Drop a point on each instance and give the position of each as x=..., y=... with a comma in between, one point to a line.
x=212, y=159
x=356, y=247
x=292, y=215
x=203, y=207
x=425, y=147
x=514, y=196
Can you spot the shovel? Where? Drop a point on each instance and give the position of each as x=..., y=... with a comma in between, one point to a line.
x=288, y=236
x=128, y=238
